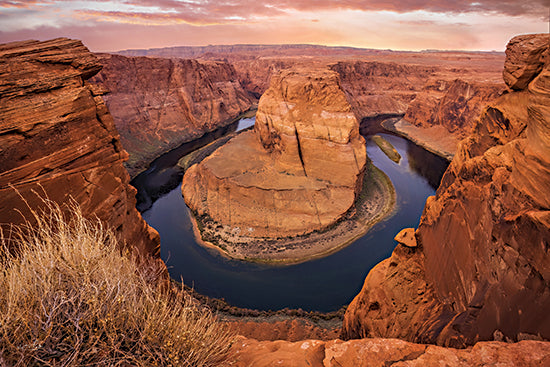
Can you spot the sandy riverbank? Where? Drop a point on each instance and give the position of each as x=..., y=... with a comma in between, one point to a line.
x=375, y=202
x=435, y=139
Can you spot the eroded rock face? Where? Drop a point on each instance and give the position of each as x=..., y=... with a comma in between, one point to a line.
x=380, y=88
x=525, y=58
x=484, y=237
x=158, y=104
x=383, y=352
x=298, y=171
x=59, y=140
x=456, y=109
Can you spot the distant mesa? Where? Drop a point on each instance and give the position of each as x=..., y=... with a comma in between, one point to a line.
x=298, y=171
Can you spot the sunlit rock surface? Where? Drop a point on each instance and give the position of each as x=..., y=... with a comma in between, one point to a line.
x=158, y=104
x=297, y=172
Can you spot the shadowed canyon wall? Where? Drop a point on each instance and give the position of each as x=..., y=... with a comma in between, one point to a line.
x=58, y=139
x=481, y=266
x=158, y=104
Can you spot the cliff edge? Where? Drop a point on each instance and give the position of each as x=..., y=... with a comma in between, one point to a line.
x=481, y=268
x=58, y=140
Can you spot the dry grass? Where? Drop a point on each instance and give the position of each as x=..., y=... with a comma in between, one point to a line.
x=69, y=297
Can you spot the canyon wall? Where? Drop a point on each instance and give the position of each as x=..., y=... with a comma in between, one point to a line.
x=440, y=93
x=455, y=105
x=158, y=104
x=481, y=266
x=297, y=172
x=58, y=140
x=378, y=88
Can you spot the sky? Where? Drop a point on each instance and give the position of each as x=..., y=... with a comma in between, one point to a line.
x=111, y=25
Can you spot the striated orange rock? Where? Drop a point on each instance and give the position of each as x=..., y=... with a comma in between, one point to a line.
x=297, y=172
x=483, y=238
x=396, y=302
x=293, y=329
x=525, y=58
x=58, y=140
x=383, y=353
x=158, y=104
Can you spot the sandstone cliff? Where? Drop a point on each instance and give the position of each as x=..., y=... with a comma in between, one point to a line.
x=377, y=88
x=297, y=172
x=58, y=139
x=158, y=104
x=455, y=105
x=482, y=261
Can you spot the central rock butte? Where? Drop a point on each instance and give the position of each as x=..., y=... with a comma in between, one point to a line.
x=298, y=171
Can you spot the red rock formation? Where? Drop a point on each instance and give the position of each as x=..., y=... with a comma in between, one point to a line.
x=304, y=162
x=376, y=88
x=456, y=109
x=158, y=104
x=294, y=329
x=58, y=139
x=384, y=353
x=484, y=238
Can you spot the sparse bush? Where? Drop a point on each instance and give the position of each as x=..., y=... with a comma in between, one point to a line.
x=70, y=297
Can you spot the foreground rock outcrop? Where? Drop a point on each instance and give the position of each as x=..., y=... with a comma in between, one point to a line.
x=58, y=140
x=384, y=353
x=299, y=170
x=158, y=104
x=481, y=270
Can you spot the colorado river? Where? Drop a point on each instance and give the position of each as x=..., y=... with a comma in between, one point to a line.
x=325, y=284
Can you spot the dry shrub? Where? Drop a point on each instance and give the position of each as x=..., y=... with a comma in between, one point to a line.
x=69, y=297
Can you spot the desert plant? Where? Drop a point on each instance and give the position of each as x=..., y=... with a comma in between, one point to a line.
x=69, y=296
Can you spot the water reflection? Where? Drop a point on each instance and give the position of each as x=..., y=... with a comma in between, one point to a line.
x=426, y=164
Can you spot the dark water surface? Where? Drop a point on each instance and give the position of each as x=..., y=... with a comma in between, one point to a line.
x=322, y=285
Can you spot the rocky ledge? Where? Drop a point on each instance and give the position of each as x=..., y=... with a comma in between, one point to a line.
x=59, y=142
x=384, y=353
x=299, y=171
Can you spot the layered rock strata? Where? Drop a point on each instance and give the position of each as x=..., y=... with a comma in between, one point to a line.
x=456, y=108
x=59, y=142
x=441, y=93
x=378, y=88
x=482, y=258
x=158, y=104
x=299, y=170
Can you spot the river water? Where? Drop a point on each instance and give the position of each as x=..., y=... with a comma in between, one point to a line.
x=322, y=285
